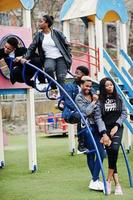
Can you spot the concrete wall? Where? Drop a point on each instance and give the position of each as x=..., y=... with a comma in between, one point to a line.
x=41, y=107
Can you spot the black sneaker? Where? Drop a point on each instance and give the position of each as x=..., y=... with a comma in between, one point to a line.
x=31, y=84
x=81, y=149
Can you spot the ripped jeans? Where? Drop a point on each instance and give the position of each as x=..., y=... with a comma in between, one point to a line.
x=113, y=149
x=56, y=67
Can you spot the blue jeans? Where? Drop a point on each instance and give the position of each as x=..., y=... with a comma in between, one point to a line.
x=56, y=66
x=92, y=158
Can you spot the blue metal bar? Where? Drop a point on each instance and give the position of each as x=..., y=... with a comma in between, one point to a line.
x=116, y=71
x=127, y=103
x=127, y=58
x=12, y=91
x=36, y=75
x=82, y=117
x=128, y=167
x=82, y=131
x=35, y=78
x=90, y=151
x=23, y=73
x=127, y=74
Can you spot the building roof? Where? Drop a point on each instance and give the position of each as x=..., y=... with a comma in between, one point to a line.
x=73, y=9
x=6, y=5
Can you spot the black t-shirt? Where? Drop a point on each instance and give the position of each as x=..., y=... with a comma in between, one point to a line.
x=111, y=113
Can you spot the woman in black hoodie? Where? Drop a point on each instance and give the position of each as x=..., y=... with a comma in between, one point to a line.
x=110, y=114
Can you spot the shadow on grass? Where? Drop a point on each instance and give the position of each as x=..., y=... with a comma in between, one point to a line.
x=53, y=136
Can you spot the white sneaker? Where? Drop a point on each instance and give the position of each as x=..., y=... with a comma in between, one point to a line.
x=101, y=184
x=81, y=152
x=95, y=185
x=118, y=190
x=108, y=184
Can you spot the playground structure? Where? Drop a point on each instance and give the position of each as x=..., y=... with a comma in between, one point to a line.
x=100, y=72
x=52, y=124
x=7, y=88
x=94, y=14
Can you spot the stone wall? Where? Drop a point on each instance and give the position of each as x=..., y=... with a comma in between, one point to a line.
x=41, y=108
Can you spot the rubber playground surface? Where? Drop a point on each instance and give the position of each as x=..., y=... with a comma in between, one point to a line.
x=59, y=176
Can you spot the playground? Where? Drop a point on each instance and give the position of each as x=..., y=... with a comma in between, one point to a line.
x=59, y=175
x=55, y=171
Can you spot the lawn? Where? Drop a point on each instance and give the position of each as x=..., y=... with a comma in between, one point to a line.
x=59, y=176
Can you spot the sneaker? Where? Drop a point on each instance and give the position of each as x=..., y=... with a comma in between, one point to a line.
x=101, y=184
x=53, y=94
x=41, y=87
x=95, y=185
x=81, y=149
x=108, y=184
x=60, y=106
x=32, y=84
x=118, y=190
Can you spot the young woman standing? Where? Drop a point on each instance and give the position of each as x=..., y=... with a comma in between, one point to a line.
x=109, y=116
x=86, y=101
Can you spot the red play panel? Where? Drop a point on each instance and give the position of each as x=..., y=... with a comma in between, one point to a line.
x=24, y=33
x=6, y=84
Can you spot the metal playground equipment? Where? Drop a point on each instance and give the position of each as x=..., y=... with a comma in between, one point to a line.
x=51, y=124
x=7, y=88
x=82, y=117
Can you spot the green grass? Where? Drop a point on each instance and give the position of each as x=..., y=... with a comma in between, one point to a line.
x=59, y=177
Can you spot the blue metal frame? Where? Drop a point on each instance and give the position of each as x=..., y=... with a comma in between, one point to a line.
x=127, y=74
x=118, y=6
x=82, y=117
x=28, y=4
x=128, y=167
x=46, y=90
x=13, y=91
x=65, y=8
x=118, y=74
x=127, y=58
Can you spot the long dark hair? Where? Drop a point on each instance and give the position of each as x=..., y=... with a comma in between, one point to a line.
x=103, y=93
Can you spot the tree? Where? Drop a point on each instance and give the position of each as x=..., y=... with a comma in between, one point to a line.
x=130, y=40
x=42, y=7
x=129, y=4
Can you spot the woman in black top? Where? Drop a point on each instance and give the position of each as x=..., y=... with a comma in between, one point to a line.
x=110, y=114
x=53, y=49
